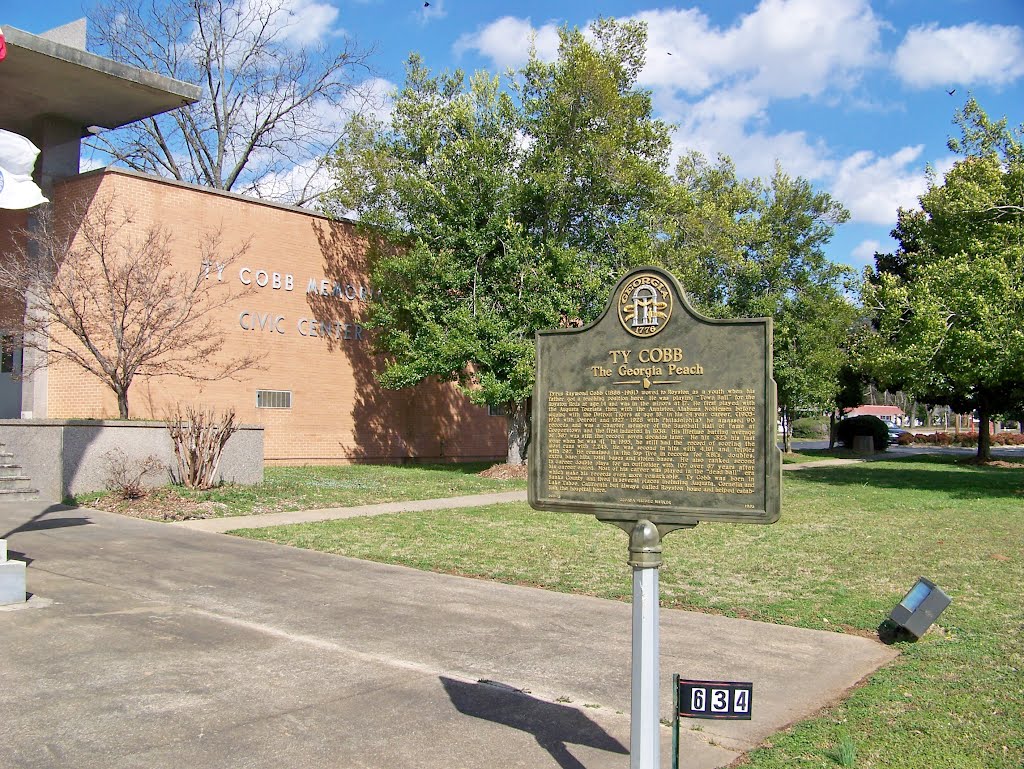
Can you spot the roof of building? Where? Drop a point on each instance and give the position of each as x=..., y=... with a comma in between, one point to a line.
x=878, y=411
x=43, y=76
x=250, y=199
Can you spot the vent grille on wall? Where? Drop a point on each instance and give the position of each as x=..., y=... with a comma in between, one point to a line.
x=273, y=399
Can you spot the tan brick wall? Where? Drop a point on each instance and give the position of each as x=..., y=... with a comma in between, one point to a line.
x=339, y=413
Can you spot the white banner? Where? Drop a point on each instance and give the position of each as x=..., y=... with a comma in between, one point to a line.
x=17, y=159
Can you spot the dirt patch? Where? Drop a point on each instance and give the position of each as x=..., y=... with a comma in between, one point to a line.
x=506, y=472
x=160, y=505
x=1012, y=462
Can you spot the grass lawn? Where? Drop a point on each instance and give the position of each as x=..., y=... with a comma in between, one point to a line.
x=851, y=541
x=310, y=487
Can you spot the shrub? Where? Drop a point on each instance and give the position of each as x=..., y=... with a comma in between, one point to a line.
x=863, y=425
x=906, y=439
x=125, y=476
x=810, y=427
x=970, y=440
x=199, y=437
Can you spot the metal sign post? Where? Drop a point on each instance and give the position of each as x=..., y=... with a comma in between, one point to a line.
x=645, y=558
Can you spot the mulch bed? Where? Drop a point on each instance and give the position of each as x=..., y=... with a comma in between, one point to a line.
x=506, y=472
x=160, y=505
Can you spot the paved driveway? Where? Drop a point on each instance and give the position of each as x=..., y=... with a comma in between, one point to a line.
x=147, y=645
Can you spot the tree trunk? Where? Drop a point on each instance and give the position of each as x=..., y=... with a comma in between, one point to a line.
x=518, y=432
x=984, y=438
x=122, y=403
x=832, y=430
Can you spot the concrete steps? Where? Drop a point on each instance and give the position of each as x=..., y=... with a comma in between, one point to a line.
x=14, y=484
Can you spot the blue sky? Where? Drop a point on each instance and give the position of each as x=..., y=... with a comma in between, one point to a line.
x=851, y=94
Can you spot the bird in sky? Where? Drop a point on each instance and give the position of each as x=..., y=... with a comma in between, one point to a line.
x=951, y=92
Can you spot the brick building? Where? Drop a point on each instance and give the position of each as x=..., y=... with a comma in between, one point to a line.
x=305, y=276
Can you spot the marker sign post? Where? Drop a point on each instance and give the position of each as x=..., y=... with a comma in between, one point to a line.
x=655, y=418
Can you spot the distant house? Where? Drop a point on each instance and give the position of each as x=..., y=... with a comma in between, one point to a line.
x=892, y=415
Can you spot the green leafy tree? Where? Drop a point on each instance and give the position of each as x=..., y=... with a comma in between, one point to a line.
x=749, y=248
x=849, y=394
x=491, y=217
x=949, y=304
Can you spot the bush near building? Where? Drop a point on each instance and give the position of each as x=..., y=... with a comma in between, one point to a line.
x=866, y=424
x=810, y=427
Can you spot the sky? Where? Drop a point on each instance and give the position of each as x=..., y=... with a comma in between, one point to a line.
x=854, y=95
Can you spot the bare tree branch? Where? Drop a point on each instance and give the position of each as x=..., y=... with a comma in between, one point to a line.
x=276, y=98
x=107, y=297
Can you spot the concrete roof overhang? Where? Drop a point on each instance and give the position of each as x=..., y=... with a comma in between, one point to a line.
x=42, y=78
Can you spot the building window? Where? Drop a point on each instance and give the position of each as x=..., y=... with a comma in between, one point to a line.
x=7, y=354
x=273, y=399
x=496, y=411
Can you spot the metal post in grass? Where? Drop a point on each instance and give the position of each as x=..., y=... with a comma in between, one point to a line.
x=655, y=418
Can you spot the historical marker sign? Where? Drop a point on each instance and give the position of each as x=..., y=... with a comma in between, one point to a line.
x=656, y=412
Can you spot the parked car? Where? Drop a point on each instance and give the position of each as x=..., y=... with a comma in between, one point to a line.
x=895, y=433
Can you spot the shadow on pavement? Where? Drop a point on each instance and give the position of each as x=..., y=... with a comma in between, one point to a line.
x=39, y=522
x=551, y=725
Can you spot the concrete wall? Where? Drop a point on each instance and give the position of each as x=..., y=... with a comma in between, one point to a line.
x=64, y=458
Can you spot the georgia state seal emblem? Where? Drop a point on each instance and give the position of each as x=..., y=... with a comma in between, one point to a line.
x=645, y=304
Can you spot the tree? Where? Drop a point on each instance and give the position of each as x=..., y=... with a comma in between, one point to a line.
x=273, y=96
x=746, y=248
x=849, y=395
x=949, y=305
x=105, y=296
x=492, y=217
x=811, y=348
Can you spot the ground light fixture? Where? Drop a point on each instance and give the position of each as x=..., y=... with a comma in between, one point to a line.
x=920, y=607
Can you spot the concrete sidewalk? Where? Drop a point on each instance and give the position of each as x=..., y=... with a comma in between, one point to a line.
x=164, y=646
x=220, y=525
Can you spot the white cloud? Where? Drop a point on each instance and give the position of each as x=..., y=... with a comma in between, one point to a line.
x=433, y=10
x=374, y=96
x=309, y=177
x=506, y=42
x=734, y=122
x=873, y=188
x=718, y=83
x=297, y=22
x=969, y=54
x=865, y=251
x=783, y=49
x=683, y=51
